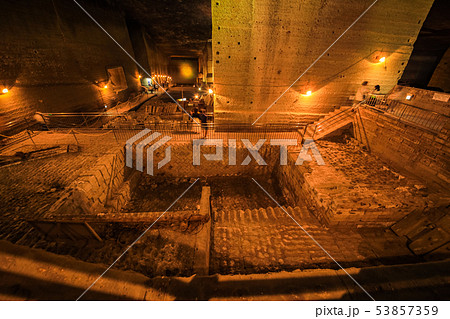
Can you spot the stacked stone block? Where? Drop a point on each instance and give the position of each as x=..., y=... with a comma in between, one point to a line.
x=423, y=153
x=351, y=188
x=90, y=192
x=181, y=164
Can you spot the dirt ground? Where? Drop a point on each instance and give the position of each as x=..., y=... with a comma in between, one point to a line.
x=157, y=193
x=241, y=192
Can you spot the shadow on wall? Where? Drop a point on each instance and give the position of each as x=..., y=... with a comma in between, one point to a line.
x=383, y=283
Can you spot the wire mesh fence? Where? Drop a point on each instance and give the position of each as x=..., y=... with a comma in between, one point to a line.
x=186, y=132
x=425, y=118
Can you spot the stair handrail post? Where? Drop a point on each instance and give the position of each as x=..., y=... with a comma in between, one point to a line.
x=304, y=133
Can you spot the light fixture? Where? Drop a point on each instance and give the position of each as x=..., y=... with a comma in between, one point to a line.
x=409, y=97
x=308, y=93
x=105, y=87
x=199, y=89
x=140, y=76
x=5, y=90
x=382, y=59
x=210, y=91
x=106, y=106
x=196, y=96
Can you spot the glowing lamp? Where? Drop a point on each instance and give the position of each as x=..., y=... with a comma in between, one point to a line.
x=199, y=89
x=382, y=59
x=210, y=91
x=409, y=97
x=196, y=96
x=105, y=87
x=308, y=93
x=5, y=90
x=140, y=76
x=106, y=106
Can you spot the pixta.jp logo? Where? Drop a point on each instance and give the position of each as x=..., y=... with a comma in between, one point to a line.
x=150, y=150
x=253, y=150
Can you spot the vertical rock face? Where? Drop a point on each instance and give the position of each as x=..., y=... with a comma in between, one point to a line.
x=52, y=54
x=441, y=76
x=261, y=47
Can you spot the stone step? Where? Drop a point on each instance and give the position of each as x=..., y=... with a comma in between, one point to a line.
x=301, y=215
x=313, y=130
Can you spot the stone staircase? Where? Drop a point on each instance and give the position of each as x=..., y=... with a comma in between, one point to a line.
x=329, y=124
x=266, y=215
x=267, y=239
x=427, y=231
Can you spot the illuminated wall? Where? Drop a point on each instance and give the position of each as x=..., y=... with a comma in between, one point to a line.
x=183, y=70
x=206, y=65
x=52, y=54
x=261, y=47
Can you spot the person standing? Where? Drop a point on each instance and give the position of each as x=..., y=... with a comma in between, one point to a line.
x=203, y=120
x=362, y=93
x=372, y=99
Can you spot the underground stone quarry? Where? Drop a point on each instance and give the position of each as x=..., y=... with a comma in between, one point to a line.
x=224, y=150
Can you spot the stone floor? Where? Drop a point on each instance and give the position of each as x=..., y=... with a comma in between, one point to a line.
x=156, y=194
x=33, y=274
x=241, y=192
x=27, y=188
x=248, y=235
x=262, y=240
x=355, y=187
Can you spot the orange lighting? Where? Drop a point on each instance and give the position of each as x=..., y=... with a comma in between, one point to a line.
x=5, y=90
x=308, y=93
x=186, y=71
x=382, y=59
x=140, y=76
x=409, y=97
x=105, y=87
x=196, y=96
x=210, y=91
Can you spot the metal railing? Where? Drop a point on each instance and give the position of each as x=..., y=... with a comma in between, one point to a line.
x=409, y=113
x=180, y=128
x=77, y=120
x=187, y=131
x=7, y=141
x=126, y=104
x=424, y=118
x=321, y=125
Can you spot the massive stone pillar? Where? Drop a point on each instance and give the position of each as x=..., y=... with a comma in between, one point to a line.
x=441, y=76
x=260, y=47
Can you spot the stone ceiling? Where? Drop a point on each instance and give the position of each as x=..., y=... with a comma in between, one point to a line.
x=179, y=27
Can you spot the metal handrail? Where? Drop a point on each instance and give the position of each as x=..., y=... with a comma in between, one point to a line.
x=335, y=117
x=185, y=132
x=128, y=101
x=386, y=101
x=416, y=115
